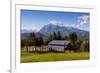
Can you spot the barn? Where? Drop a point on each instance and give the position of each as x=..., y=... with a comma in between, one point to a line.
x=58, y=45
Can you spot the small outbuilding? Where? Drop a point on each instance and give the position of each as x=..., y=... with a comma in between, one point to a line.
x=58, y=45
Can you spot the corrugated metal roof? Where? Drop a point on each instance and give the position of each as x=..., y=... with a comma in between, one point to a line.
x=59, y=42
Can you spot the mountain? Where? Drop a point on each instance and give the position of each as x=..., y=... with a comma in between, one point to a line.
x=50, y=28
x=25, y=33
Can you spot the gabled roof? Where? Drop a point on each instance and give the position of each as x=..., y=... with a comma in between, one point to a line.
x=59, y=42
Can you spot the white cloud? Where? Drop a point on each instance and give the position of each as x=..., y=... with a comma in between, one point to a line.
x=82, y=23
x=83, y=20
x=56, y=22
x=70, y=25
x=30, y=27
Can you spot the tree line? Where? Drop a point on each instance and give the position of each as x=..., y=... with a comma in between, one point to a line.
x=75, y=43
x=32, y=40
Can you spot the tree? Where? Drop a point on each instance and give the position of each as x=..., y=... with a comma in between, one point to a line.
x=78, y=44
x=54, y=36
x=66, y=37
x=49, y=38
x=59, y=37
x=88, y=46
x=25, y=43
x=22, y=43
x=82, y=46
x=85, y=46
x=32, y=39
x=39, y=41
x=32, y=34
x=73, y=37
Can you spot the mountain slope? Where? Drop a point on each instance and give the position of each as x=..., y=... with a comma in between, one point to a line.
x=50, y=28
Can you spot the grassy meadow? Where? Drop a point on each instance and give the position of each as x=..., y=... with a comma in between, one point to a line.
x=45, y=57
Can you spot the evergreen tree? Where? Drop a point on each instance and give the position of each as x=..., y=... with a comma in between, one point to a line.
x=32, y=39
x=41, y=40
x=54, y=36
x=73, y=37
x=59, y=37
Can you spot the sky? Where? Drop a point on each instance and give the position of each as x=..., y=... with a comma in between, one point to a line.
x=35, y=19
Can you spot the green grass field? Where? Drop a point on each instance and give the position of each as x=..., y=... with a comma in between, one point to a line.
x=45, y=57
